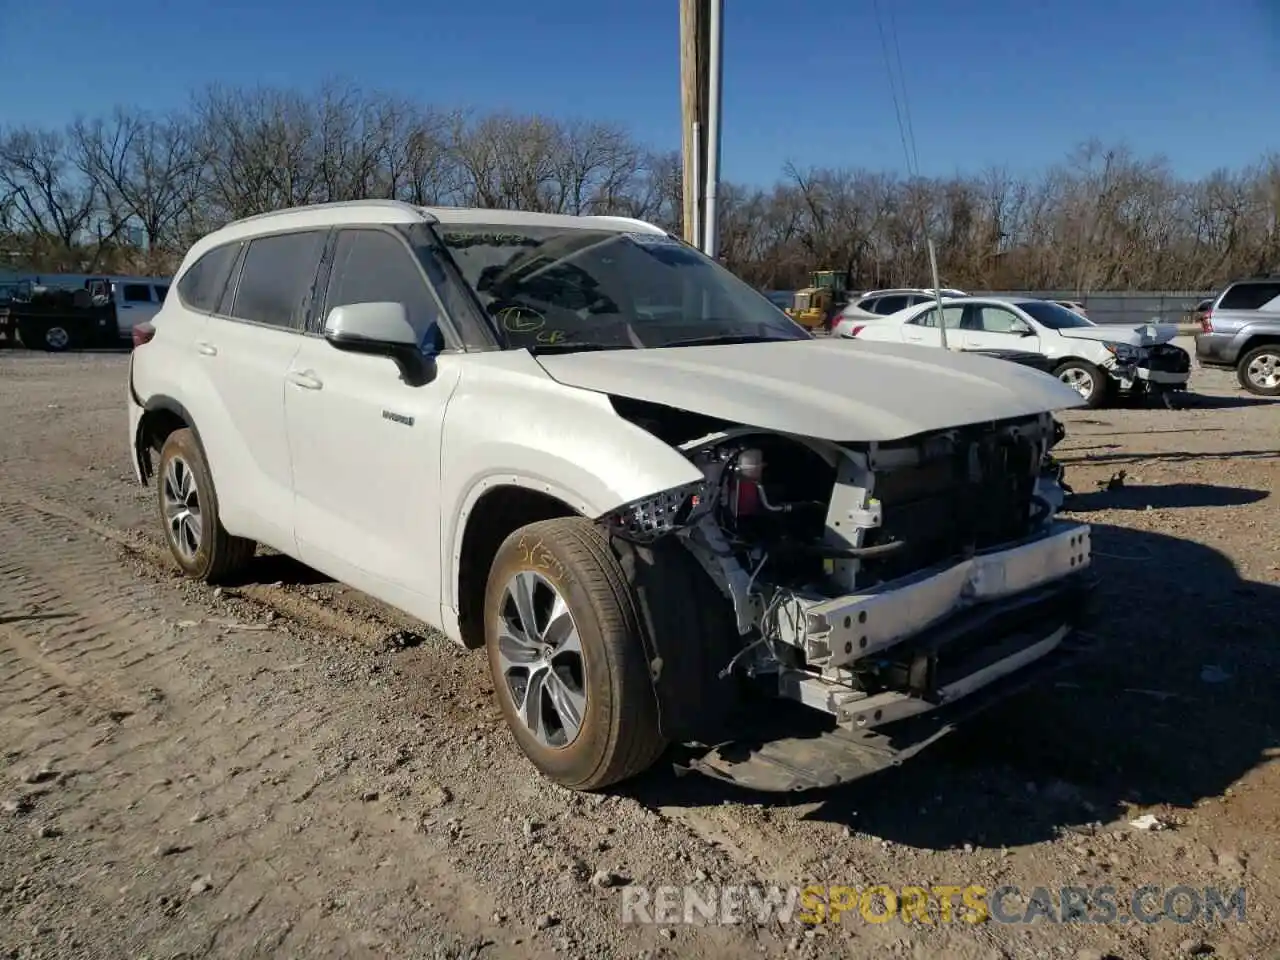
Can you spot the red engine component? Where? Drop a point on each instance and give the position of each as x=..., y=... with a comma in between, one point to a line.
x=744, y=483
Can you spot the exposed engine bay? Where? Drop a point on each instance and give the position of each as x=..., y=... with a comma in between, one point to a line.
x=874, y=581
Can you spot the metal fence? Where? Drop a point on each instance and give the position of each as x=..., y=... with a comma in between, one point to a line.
x=1163, y=306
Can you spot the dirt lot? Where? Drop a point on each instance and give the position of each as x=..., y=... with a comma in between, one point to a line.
x=288, y=768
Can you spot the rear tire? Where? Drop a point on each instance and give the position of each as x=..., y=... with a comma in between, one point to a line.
x=1259, y=370
x=189, y=513
x=567, y=657
x=1089, y=381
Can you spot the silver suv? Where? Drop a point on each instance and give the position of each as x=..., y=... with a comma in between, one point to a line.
x=1241, y=329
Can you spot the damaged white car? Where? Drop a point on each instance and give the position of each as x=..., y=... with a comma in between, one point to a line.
x=655, y=501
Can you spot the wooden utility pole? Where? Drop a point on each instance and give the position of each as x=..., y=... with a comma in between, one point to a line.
x=695, y=16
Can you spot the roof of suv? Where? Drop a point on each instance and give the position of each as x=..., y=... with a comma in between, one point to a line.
x=368, y=212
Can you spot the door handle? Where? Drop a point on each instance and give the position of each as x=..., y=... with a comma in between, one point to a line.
x=305, y=379
x=207, y=349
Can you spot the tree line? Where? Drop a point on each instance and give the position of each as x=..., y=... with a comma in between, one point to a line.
x=78, y=198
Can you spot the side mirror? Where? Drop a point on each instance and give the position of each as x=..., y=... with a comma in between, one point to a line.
x=381, y=329
x=1025, y=332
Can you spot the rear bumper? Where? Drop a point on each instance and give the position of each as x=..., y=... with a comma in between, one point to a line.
x=1217, y=349
x=136, y=412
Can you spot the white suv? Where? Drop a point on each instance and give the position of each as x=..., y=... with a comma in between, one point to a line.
x=579, y=443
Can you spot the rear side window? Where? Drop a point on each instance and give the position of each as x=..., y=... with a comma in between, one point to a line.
x=888, y=305
x=371, y=266
x=201, y=286
x=277, y=279
x=137, y=293
x=869, y=304
x=1249, y=296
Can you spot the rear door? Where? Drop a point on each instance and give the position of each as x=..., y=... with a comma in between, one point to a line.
x=245, y=351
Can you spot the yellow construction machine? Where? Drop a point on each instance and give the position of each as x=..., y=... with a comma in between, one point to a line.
x=815, y=305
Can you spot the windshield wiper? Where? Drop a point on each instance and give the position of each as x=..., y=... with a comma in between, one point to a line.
x=725, y=338
x=575, y=346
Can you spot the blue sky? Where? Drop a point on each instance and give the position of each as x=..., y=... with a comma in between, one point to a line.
x=1014, y=83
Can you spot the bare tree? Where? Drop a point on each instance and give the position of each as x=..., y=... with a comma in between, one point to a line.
x=1102, y=219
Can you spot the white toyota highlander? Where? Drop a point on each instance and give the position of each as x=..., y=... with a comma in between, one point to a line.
x=654, y=500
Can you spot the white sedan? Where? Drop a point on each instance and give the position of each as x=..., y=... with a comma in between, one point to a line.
x=1094, y=359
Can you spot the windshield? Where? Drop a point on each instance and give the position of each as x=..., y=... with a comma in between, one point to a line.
x=552, y=288
x=1052, y=315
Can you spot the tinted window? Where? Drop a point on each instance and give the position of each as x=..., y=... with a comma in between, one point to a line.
x=201, y=286
x=868, y=304
x=137, y=293
x=888, y=305
x=1053, y=316
x=1249, y=296
x=371, y=266
x=161, y=293
x=277, y=279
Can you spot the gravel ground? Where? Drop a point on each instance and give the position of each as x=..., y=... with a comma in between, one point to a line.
x=289, y=768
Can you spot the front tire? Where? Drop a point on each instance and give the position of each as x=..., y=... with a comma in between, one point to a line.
x=1259, y=370
x=189, y=511
x=1086, y=379
x=566, y=656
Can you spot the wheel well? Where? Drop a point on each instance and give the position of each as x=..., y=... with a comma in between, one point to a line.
x=1258, y=340
x=495, y=516
x=153, y=430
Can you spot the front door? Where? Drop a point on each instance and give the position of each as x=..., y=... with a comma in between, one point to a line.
x=923, y=328
x=366, y=445
x=993, y=327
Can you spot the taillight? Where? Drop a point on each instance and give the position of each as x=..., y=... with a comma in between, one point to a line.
x=143, y=333
x=1206, y=322
x=857, y=330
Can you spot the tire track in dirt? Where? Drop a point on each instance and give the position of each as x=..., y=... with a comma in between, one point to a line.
x=242, y=772
x=120, y=726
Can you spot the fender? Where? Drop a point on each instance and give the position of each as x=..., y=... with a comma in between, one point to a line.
x=160, y=402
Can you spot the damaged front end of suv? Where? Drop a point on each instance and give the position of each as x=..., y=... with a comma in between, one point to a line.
x=892, y=587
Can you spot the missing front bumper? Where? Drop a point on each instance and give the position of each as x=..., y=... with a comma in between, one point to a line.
x=791, y=762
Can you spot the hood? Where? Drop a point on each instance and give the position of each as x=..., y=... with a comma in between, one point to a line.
x=1144, y=335
x=831, y=389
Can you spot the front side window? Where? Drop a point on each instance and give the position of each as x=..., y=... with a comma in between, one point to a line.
x=277, y=279
x=999, y=320
x=371, y=266
x=552, y=288
x=951, y=316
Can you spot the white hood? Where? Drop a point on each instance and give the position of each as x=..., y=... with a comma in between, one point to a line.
x=1146, y=335
x=840, y=390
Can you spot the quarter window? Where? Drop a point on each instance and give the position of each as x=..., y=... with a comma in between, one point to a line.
x=277, y=279
x=201, y=286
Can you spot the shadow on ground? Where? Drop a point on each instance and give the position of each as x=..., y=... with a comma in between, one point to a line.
x=1176, y=705
x=1163, y=497
x=277, y=568
x=1098, y=459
